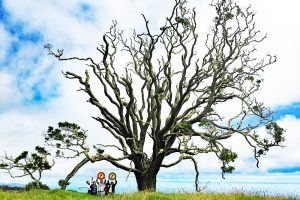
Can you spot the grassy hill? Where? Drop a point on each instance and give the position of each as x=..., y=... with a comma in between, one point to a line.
x=68, y=195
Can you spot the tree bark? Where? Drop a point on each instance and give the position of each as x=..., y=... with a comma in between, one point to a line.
x=146, y=181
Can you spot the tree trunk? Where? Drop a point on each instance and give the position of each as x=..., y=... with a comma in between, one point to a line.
x=38, y=184
x=65, y=182
x=146, y=181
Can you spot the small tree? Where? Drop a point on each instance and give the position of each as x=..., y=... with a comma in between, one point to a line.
x=25, y=164
x=168, y=96
x=69, y=140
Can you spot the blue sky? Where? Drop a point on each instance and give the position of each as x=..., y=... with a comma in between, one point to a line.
x=21, y=39
x=34, y=93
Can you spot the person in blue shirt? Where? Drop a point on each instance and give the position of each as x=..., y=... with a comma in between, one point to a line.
x=93, y=188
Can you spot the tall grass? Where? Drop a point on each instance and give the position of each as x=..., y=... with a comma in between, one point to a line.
x=71, y=195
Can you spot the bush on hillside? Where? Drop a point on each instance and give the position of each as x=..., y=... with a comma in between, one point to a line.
x=33, y=185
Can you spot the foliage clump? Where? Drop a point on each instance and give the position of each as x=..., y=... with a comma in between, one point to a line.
x=36, y=185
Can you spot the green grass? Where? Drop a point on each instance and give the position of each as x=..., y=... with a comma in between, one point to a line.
x=68, y=195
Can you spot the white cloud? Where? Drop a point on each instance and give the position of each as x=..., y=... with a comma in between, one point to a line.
x=20, y=130
x=56, y=21
x=5, y=40
x=279, y=20
x=10, y=95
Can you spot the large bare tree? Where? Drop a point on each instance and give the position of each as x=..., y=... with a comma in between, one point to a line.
x=168, y=96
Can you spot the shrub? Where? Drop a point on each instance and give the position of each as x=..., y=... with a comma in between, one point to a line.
x=63, y=183
x=36, y=185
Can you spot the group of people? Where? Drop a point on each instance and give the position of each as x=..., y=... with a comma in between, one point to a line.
x=102, y=187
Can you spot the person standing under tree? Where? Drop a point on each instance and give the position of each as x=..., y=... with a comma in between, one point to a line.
x=101, y=186
x=106, y=188
x=93, y=188
x=113, y=186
